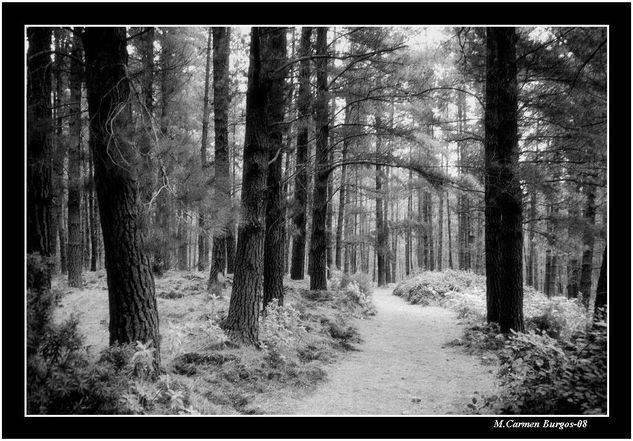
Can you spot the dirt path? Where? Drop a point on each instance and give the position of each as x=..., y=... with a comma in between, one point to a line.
x=401, y=368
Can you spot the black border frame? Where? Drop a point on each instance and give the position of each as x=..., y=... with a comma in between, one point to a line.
x=17, y=15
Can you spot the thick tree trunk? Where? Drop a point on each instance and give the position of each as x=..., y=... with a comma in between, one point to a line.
x=222, y=199
x=504, y=229
x=39, y=148
x=203, y=241
x=587, y=245
x=74, y=169
x=318, y=239
x=131, y=294
x=275, y=217
x=242, y=321
x=301, y=178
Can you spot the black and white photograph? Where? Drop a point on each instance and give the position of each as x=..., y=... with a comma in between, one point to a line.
x=313, y=218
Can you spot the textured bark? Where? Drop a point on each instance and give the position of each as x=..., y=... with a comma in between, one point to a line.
x=329, y=223
x=203, y=242
x=586, y=269
x=342, y=202
x=74, y=169
x=39, y=147
x=601, y=291
x=222, y=197
x=275, y=43
x=318, y=239
x=95, y=253
x=60, y=147
x=242, y=321
x=504, y=232
x=297, y=265
x=131, y=292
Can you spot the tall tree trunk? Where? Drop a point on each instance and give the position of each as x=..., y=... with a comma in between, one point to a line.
x=448, y=227
x=504, y=229
x=221, y=38
x=421, y=250
x=60, y=147
x=39, y=150
x=131, y=293
x=203, y=242
x=428, y=209
x=94, y=216
x=532, y=262
x=301, y=178
x=601, y=291
x=587, y=245
x=274, y=243
x=74, y=169
x=440, y=233
x=342, y=200
x=242, y=321
x=318, y=240
x=329, y=222
x=380, y=230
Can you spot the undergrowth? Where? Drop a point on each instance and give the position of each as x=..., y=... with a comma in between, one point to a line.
x=204, y=372
x=558, y=366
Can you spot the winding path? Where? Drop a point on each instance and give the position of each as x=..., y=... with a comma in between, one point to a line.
x=401, y=367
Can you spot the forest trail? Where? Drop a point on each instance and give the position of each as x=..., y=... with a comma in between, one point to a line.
x=401, y=367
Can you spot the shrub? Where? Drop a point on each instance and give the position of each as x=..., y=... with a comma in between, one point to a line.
x=363, y=280
x=280, y=324
x=542, y=375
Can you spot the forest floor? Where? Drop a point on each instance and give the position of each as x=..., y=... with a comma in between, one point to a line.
x=403, y=367
x=401, y=364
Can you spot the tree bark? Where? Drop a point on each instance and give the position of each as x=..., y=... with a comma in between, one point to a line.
x=131, y=292
x=39, y=148
x=203, y=242
x=586, y=269
x=297, y=265
x=504, y=229
x=275, y=217
x=74, y=169
x=340, y=223
x=532, y=278
x=380, y=229
x=60, y=147
x=94, y=216
x=242, y=321
x=221, y=38
x=318, y=240
x=601, y=291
